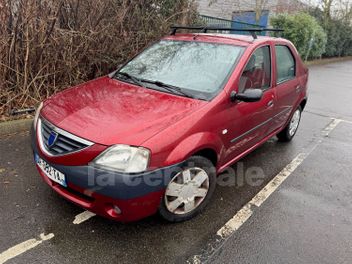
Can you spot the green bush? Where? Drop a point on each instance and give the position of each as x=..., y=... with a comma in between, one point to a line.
x=339, y=34
x=305, y=33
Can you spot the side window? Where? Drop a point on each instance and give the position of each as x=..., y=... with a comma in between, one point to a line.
x=257, y=73
x=286, y=64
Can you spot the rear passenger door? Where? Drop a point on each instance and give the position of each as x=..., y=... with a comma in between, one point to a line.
x=287, y=84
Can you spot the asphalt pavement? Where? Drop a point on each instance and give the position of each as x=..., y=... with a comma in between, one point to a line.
x=308, y=219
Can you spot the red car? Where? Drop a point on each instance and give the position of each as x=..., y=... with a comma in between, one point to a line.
x=153, y=136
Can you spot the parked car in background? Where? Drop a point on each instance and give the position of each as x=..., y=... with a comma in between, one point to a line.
x=153, y=136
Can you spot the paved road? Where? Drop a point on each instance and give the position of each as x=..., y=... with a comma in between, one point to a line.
x=308, y=219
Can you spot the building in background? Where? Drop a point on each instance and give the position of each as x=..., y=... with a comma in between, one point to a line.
x=251, y=11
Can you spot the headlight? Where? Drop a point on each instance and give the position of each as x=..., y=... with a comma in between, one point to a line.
x=37, y=113
x=124, y=158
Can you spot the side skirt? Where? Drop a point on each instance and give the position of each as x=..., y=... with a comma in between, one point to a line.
x=245, y=153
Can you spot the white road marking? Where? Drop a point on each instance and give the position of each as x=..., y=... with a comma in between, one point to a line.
x=331, y=126
x=79, y=219
x=23, y=247
x=346, y=121
x=246, y=212
x=271, y=187
x=236, y=222
x=342, y=120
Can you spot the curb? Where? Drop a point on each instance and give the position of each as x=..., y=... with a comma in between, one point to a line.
x=16, y=126
x=327, y=61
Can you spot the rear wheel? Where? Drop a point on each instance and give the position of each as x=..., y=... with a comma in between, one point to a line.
x=290, y=130
x=189, y=191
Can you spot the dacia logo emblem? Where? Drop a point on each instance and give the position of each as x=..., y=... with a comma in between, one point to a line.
x=52, y=139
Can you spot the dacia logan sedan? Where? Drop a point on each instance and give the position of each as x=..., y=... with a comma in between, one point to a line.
x=153, y=136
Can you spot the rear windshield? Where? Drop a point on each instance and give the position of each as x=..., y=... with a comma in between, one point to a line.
x=198, y=68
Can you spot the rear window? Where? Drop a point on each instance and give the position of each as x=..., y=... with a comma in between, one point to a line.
x=286, y=64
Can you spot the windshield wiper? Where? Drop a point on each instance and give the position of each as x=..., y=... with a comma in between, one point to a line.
x=168, y=87
x=132, y=78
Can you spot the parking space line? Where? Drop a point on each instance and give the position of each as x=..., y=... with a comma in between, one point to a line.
x=328, y=116
x=346, y=121
x=82, y=217
x=236, y=222
x=247, y=210
x=23, y=247
x=327, y=130
x=271, y=187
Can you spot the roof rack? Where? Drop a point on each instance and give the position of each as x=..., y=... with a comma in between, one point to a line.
x=204, y=29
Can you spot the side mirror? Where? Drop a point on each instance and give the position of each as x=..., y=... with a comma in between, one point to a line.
x=249, y=95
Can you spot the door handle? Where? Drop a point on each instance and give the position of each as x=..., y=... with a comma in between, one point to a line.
x=271, y=103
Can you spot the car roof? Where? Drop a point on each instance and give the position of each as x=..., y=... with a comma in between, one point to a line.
x=234, y=39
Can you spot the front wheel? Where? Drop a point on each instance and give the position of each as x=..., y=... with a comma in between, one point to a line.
x=189, y=191
x=290, y=130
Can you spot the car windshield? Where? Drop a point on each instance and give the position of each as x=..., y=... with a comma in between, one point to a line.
x=197, y=69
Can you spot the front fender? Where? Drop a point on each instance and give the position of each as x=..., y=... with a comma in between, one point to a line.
x=193, y=144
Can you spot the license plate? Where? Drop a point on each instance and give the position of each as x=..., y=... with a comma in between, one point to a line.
x=51, y=172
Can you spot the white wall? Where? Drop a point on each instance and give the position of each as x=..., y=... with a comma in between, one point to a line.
x=221, y=8
x=225, y=8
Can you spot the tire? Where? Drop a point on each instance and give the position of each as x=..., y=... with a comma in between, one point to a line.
x=187, y=184
x=290, y=130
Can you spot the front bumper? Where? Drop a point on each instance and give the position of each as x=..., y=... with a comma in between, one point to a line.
x=100, y=191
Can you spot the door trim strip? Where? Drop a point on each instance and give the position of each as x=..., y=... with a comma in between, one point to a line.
x=259, y=126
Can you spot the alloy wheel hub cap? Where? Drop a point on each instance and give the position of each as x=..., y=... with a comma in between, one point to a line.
x=186, y=191
x=294, y=122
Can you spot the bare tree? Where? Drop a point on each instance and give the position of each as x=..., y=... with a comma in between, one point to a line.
x=326, y=6
x=260, y=5
x=345, y=10
x=47, y=45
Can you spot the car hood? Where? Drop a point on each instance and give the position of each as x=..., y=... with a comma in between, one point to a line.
x=108, y=111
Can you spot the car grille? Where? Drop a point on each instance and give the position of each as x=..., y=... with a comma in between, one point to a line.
x=63, y=143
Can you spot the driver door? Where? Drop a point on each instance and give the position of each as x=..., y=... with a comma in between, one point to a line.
x=252, y=121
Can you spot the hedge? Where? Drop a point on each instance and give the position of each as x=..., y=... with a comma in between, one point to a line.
x=305, y=33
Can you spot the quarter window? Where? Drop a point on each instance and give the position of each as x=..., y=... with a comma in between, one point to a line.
x=286, y=64
x=257, y=73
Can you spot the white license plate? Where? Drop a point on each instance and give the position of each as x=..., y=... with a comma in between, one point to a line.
x=51, y=172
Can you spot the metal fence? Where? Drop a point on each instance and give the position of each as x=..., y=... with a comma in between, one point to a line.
x=220, y=22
